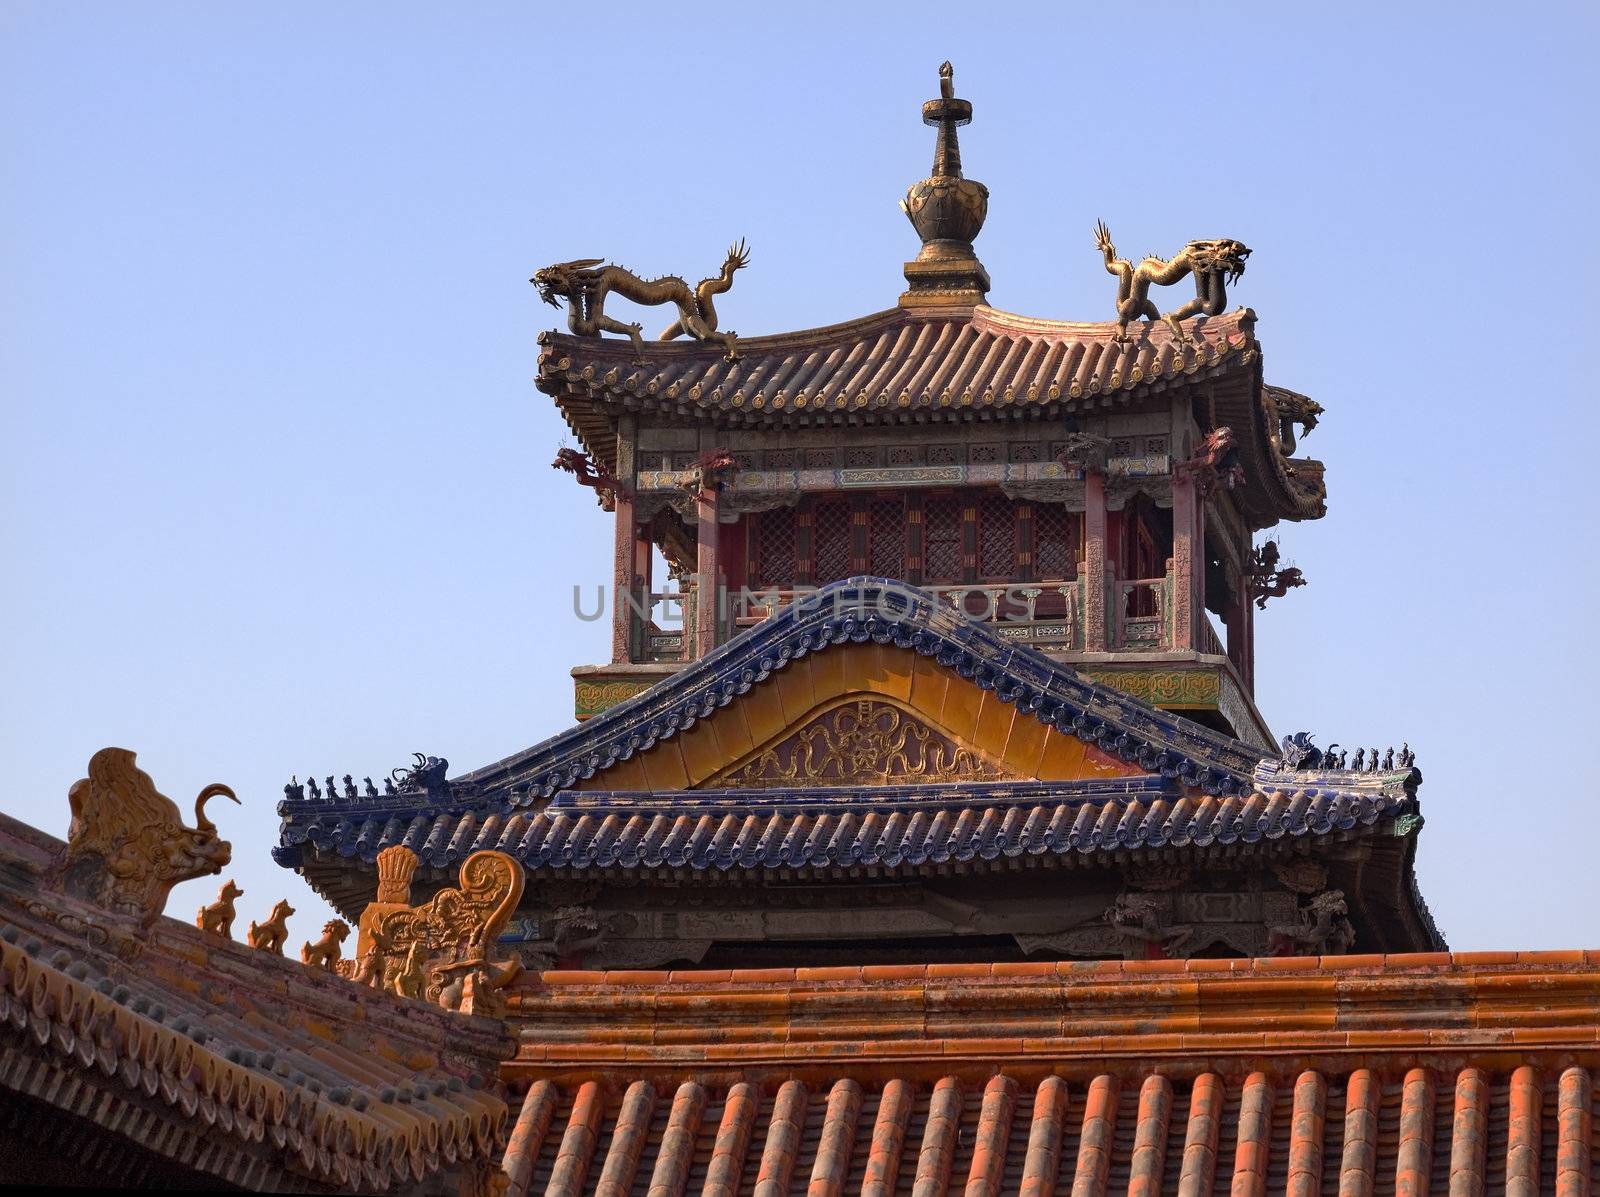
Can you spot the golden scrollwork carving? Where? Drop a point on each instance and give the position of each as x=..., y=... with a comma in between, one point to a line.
x=127, y=845
x=440, y=952
x=863, y=742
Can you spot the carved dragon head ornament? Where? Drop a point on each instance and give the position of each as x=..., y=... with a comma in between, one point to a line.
x=556, y=283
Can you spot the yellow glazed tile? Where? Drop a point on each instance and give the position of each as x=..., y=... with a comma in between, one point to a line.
x=763, y=712
x=894, y=668
x=733, y=736
x=624, y=775
x=702, y=754
x=959, y=718
x=1025, y=745
x=994, y=725
x=928, y=682
x=794, y=691
x=663, y=767
x=828, y=672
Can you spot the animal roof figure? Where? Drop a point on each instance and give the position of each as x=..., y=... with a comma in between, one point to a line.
x=127, y=845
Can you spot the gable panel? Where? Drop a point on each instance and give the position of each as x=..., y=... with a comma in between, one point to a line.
x=916, y=721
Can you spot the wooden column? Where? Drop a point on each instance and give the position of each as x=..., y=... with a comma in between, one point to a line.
x=708, y=572
x=1188, y=559
x=624, y=582
x=1095, y=551
x=1241, y=628
x=625, y=579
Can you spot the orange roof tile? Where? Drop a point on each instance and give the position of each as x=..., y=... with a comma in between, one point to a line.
x=1409, y=1074
x=250, y=1066
x=902, y=365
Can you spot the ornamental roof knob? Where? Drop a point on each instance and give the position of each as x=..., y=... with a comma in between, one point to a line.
x=947, y=211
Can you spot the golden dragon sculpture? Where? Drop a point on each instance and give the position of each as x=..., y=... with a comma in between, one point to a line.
x=1214, y=265
x=584, y=285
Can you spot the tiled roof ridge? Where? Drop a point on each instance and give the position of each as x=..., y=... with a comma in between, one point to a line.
x=1049, y=1015
x=983, y=317
x=374, y=1147
x=729, y=833
x=173, y=938
x=622, y=348
x=1069, y=972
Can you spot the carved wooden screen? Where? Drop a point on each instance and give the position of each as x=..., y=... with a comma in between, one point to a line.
x=1141, y=556
x=774, y=555
x=832, y=554
x=942, y=544
x=886, y=539
x=997, y=539
x=1055, y=542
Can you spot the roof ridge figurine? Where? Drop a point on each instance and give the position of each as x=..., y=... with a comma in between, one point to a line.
x=584, y=285
x=1214, y=265
x=127, y=845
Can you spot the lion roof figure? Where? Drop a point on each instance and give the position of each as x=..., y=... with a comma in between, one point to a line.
x=127, y=845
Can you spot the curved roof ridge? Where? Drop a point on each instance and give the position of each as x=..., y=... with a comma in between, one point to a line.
x=856, y=610
x=843, y=329
x=1155, y=333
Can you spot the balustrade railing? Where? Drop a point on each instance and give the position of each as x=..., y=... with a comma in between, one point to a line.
x=1043, y=612
x=1047, y=613
x=658, y=643
x=1140, y=613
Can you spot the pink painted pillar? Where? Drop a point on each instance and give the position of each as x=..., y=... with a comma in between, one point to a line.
x=625, y=582
x=1094, y=561
x=1188, y=560
x=707, y=573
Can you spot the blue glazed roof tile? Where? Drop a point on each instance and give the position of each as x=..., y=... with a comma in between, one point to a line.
x=1201, y=788
x=871, y=827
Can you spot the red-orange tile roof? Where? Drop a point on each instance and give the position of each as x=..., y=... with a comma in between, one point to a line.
x=1426, y=1073
x=254, y=1068
x=900, y=361
x=900, y=366
x=1435, y=1128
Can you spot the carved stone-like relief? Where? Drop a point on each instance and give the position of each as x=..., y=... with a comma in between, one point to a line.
x=127, y=845
x=863, y=742
x=1142, y=922
x=440, y=952
x=1321, y=927
x=1159, y=914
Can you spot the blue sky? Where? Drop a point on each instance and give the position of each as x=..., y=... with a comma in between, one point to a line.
x=276, y=495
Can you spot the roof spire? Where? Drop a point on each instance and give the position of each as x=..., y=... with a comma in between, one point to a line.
x=947, y=211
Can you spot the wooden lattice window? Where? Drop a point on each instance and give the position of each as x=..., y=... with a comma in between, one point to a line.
x=997, y=538
x=942, y=540
x=775, y=556
x=1055, y=548
x=832, y=551
x=886, y=539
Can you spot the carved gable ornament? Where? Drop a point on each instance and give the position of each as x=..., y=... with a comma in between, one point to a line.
x=864, y=741
x=443, y=951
